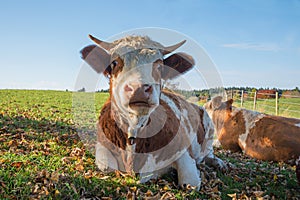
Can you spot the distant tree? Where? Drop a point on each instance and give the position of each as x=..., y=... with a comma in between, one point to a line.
x=253, y=90
x=103, y=90
x=81, y=90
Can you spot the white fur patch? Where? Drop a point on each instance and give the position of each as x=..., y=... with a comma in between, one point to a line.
x=187, y=171
x=298, y=125
x=250, y=117
x=172, y=105
x=186, y=124
x=196, y=149
x=130, y=149
x=148, y=171
x=208, y=148
x=105, y=161
x=207, y=122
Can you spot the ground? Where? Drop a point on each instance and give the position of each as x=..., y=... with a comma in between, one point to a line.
x=42, y=157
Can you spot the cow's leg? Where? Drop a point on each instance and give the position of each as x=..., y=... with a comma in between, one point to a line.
x=209, y=156
x=207, y=151
x=211, y=160
x=105, y=160
x=187, y=171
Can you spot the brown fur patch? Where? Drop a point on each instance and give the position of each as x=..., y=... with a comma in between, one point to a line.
x=177, y=64
x=200, y=132
x=176, y=99
x=283, y=139
x=233, y=126
x=118, y=68
x=270, y=138
x=163, y=137
x=110, y=128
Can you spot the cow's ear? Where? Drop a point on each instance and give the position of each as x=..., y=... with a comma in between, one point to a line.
x=229, y=104
x=96, y=57
x=177, y=64
x=216, y=102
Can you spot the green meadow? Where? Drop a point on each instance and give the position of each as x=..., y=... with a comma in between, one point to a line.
x=43, y=157
x=287, y=107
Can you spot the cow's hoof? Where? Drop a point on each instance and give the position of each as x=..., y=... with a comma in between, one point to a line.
x=189, y=187
x=217, y=163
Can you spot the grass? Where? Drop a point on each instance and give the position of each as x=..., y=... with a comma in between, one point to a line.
x=43, y=157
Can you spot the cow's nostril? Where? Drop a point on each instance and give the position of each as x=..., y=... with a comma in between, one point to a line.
x=127, y=88
x=148, y=88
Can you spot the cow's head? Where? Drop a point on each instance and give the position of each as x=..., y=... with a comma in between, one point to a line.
x=219, y=111
x=136, y=68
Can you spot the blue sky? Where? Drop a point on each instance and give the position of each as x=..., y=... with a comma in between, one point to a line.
x=252, y=43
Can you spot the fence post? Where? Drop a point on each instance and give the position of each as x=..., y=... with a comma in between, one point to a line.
x=254, y=101
x=242, y=98
x=276, y=102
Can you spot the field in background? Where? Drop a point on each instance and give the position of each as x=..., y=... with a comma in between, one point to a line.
x=42, y=157
x=287, y=107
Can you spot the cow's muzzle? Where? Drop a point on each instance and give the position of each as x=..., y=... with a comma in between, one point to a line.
x=139, y=95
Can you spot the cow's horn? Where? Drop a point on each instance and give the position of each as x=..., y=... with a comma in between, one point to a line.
x=105, y=45
x=172, y=48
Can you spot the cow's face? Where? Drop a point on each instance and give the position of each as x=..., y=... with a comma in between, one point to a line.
x=136, y=68
x=136, y=83
x=219, y=111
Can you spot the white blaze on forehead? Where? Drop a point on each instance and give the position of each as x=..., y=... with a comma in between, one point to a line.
x=136, y=52
x=250, y=117
x=138, y=66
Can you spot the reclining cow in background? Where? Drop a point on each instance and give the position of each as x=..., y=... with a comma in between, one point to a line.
x=258, y=135
x=142, y=128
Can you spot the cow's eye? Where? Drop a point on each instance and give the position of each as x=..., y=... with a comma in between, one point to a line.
x=111, y=67
x=113, y=64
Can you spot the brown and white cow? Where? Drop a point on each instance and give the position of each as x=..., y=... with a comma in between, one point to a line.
x=258, y=135
x=143, y=128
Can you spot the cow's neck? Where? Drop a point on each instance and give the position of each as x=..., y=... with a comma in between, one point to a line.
x=117, y=116
x=124, y=121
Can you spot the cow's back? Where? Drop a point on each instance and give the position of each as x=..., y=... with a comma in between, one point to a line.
x=274, y=138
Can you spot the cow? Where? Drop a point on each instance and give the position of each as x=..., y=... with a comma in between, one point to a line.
x=261, y=136
x=143, y=128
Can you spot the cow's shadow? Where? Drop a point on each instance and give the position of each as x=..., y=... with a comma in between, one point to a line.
x=13, y=128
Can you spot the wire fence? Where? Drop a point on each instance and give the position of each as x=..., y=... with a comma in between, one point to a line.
x=270, y=103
